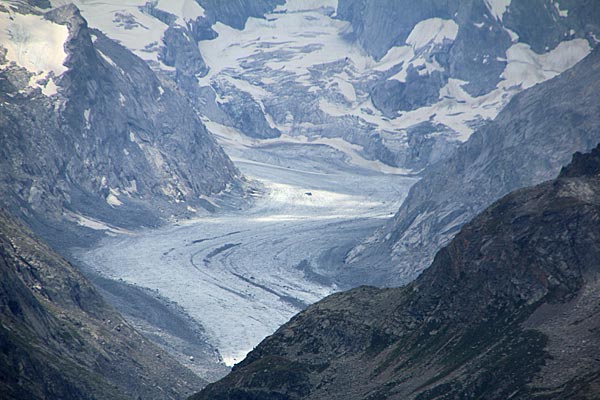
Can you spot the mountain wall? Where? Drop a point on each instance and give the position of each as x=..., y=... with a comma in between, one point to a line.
x=96, y=136
x=60, y=340
x=477, y=33
x=529, y=141
x=507, y=310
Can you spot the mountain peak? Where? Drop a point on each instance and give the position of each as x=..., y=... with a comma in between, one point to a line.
x=587, y=164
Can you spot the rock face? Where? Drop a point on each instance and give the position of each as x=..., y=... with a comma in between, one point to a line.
x=268, y=68
x=111, y=142
x=236, y=13
x=499, y=314
x=179, y=50
x=529, y=141
x=478, y=35
x=59, y=340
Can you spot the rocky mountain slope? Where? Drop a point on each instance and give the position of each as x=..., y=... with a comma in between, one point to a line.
x=476, y=39
x=60, y=340
x=397, y=82
x=90, y=134
x=507, y=310
x=529, y=141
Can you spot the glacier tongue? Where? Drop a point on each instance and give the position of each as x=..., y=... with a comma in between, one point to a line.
x=292, y=104
x=241, y=274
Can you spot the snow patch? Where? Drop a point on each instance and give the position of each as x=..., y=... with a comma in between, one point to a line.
x=34, y=43
x=185, y=10
x=303, y=5
x=86, y=115
x=527, y=68
x=432, y=31
x=113, y=200
x=50, y=88
x=94, y=224
x=562, y=13
x=109, y=60
x=497, y=7
x=346, y=89
x=395, y=56
x=37, y=45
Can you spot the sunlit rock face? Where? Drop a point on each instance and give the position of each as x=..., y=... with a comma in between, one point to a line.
x=531, y=139
x=90, y=133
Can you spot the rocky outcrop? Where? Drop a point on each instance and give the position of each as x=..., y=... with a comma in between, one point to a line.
x=236, y=13
x=59, y=340
x=113, y=143
x=529, y=141
x=500, y=314
x=180, y=51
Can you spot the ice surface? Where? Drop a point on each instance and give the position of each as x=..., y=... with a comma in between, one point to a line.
x=34, y=42
x=291, y=43
x=242, y=274
x=301, y=5
x=185, y=10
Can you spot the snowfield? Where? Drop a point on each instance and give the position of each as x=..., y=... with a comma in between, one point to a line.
x=243, y=274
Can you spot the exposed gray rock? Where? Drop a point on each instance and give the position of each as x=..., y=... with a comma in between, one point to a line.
x=60, y=340
x=235, y=13
x=244, y=112
x=380, y=25
x=478, y=54
x=115, y=143
x=418, y=91
x=529, y=141
x=181, y=52
x=543, y=24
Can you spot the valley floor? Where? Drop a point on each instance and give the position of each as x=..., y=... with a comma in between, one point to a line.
x=241, y=274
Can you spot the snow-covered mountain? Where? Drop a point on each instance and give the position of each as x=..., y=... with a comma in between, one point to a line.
x=90, y=134
x=404, y=81
x=331, y=109
x=93, y=142
x=530, y=140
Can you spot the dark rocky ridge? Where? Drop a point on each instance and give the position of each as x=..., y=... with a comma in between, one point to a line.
x=527, y=143
x=60, y=340
x=113, y=128
x=507, y=310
